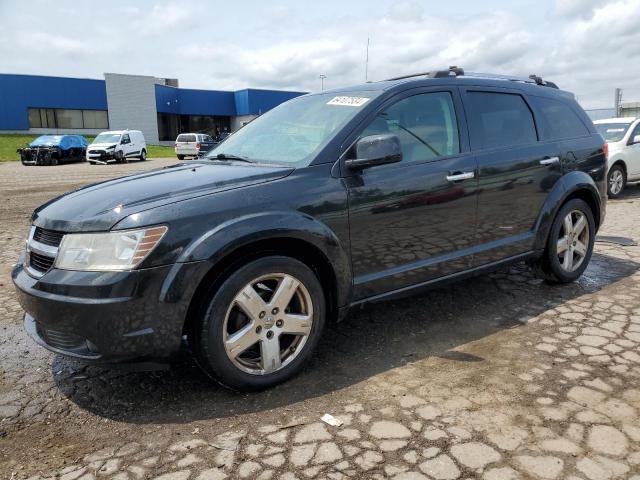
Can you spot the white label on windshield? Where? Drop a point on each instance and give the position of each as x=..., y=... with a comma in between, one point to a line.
x=615, y=130
x=348, y=101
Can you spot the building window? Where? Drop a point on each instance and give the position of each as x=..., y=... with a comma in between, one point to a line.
x=95, y=119
x=69, y=119
x=171, y=125
x=66, y=118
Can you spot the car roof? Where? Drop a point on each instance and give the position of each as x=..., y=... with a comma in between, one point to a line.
x=616, y=120
x=470, y=79
x=120, y=132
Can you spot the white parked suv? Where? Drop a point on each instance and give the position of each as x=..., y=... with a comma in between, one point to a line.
x=117, y=146
x=193, y=145
x=623, y=138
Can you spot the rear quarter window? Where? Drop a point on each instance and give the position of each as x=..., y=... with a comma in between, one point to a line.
x=499, y=120
x=557, y=120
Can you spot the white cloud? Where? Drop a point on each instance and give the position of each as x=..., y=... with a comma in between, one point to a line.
x=586, y=46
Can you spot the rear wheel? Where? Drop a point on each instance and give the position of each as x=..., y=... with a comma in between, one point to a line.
x=262, y=324
x=616, y=181
x=180, y=157
x=570, y=243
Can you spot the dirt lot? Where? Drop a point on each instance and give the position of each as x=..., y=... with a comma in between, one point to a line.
x=497, y=377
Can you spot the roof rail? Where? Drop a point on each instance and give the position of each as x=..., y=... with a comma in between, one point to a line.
x=455, y=71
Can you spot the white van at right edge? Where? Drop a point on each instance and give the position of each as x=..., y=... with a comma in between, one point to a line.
x=623, y=137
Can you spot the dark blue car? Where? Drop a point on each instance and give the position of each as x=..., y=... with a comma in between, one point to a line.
x=54, y=149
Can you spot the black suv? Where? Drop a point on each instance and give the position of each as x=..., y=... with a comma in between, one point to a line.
x=325, y=202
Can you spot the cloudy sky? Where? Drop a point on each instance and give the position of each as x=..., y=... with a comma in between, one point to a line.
x=586, y=46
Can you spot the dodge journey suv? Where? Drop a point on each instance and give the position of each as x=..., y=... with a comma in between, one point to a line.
x=325, y=202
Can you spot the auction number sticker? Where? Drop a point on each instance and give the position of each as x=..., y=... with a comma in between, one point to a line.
x=348, y=101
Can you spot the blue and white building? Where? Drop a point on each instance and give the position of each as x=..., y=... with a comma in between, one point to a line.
x=156, y=106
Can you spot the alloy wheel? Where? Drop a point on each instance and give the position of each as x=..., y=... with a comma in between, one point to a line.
x=268, y=323
x=616, y=181
x=573, y=241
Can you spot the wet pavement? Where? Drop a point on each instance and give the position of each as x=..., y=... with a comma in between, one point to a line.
x=497, y=377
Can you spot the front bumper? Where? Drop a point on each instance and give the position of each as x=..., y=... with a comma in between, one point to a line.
x=108, y=317
x=101, y=155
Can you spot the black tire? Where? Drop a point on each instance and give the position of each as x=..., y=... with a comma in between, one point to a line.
x=143, y=155
x=548, y=266
x=615, y=188
x=180, y=157
x=120, y=158
x=54, y=161
x=92, y=163
x=208, y=344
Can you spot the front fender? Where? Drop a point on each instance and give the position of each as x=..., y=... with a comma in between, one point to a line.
x=567, y=186
x=224, y=239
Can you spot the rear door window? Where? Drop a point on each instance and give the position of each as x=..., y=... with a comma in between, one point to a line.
x=498, y=120
x=557, y=120
x=186, y=138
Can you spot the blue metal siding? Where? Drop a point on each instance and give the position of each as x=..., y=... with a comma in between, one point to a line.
x=261, y=101
x=167, y=99
x=215, y=102
x=187, y=101
x=19, y=92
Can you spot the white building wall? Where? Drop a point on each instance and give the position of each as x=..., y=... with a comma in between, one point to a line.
x=131, y=101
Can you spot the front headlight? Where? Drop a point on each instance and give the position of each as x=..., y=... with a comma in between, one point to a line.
x=110, y=251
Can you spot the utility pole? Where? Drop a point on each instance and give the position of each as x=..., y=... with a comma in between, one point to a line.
x=366, y=63
x=617, y=102
x=322, y=77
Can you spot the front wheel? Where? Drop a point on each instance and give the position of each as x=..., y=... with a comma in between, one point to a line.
x=616, y=181
x=261, y=325
x=143, y=155
x=570, y=243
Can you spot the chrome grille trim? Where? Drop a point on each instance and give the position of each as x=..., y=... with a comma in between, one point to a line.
x=40, y=249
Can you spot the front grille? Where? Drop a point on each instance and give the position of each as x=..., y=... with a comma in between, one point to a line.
x=48, y=237
x=40, y=263
x=62, y=340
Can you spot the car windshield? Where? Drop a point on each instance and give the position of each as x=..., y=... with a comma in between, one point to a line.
x=294, y=132
x=107, y=138
x=612, y=132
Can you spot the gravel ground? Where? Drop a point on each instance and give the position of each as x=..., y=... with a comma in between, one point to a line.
x=497, y=377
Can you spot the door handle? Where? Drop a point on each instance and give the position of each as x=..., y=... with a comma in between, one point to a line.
x=457, y=176
x=549, y=161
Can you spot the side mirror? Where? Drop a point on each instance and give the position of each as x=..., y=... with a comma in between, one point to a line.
x=635, y=140
x=375, y=150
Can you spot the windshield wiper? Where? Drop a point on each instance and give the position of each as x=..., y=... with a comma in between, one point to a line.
x=226, y=156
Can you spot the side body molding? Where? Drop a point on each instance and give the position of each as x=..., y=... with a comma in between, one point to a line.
x=569, y=184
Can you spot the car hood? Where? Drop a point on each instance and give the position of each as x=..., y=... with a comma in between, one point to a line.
x=100, y=206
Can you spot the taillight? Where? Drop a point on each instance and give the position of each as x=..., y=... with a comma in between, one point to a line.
x=197, y=146
x=605, y=150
